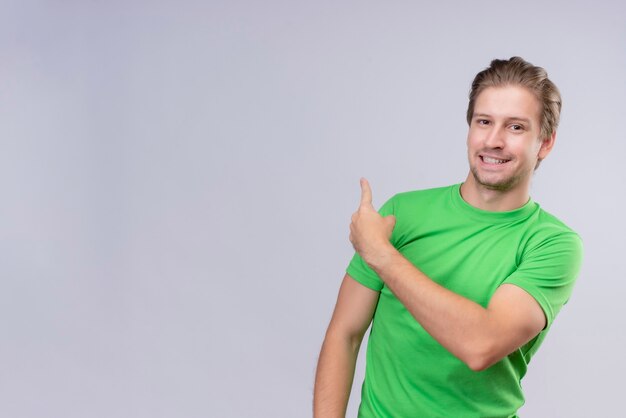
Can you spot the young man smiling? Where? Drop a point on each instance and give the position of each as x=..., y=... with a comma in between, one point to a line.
x=462, y=282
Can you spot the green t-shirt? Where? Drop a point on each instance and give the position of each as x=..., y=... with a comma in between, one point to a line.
x=471, y=252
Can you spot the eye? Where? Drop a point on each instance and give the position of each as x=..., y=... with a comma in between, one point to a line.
x=517, y=127
x=482, y=121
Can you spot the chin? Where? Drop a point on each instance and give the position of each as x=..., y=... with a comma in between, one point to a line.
x=501, y=187
x=501, y=184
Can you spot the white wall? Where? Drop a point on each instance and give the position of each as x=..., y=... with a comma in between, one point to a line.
x=177, y=180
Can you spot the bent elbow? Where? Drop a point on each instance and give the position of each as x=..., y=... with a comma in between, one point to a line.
x=480, y=358
x=479, y=364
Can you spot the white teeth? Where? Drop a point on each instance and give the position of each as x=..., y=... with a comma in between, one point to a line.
x=490, y=160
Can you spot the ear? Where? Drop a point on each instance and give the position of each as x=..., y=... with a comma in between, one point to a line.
x=546, y=146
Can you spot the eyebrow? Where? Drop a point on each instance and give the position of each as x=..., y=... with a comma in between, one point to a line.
x=514, y=118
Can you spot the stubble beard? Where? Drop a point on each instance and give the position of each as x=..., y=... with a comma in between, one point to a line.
x=501, y=185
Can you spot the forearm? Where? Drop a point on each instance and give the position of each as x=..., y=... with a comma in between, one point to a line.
x=464, y=327
x=335, y=373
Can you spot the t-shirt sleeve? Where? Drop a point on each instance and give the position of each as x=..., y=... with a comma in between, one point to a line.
x=358, y=268
x=548, y=272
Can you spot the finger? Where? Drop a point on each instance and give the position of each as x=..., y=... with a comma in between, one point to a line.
x=391, y=221
x=366, y=192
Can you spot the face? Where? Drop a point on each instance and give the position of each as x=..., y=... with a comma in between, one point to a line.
x=503, y=143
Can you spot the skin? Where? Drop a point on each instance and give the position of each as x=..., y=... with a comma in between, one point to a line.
x=504, y=146
x=505, y=126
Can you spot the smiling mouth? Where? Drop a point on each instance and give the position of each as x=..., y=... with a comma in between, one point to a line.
x=490, y=160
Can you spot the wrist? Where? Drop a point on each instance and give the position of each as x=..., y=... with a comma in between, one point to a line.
x=383, y=258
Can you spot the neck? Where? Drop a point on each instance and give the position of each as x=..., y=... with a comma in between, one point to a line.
x=494, y=200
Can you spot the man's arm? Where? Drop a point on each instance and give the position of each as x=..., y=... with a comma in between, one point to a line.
x=335, y=369
x=478, y=336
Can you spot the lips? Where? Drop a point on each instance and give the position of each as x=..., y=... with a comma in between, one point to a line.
x=493, y=160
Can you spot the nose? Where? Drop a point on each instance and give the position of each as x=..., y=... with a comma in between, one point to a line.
x=495, y=138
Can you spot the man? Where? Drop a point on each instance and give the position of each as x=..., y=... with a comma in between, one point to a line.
x=462, y=282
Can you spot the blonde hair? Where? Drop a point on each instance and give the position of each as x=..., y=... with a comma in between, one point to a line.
x=518, y=72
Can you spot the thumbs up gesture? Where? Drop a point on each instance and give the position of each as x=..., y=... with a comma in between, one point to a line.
x=369, y=231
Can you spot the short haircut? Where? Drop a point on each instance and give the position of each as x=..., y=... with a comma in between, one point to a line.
x=518, y=72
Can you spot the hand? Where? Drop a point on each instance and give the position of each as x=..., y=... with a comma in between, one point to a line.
x=369, y=231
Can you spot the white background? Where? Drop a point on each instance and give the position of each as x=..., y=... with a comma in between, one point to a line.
x=177, y=179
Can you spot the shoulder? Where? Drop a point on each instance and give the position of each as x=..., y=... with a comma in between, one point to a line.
x=425, y=201
x=549, y=232
x=430, y=196
x=551, y=225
